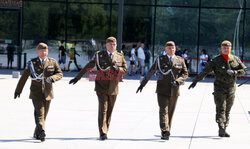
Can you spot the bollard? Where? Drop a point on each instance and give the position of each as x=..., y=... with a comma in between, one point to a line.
x=15, y=74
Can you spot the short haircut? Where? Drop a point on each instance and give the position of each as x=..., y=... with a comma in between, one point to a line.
x=111, y=39
x=42, y=46
x=169, y=43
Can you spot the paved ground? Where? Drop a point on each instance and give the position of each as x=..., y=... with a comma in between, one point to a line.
x=72, y=119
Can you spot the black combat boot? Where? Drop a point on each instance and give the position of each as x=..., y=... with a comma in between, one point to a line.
x=221, y=130
x=103, y=137
x=42, y=136
x=226, y=134
x=36, y=136
x=165, y=135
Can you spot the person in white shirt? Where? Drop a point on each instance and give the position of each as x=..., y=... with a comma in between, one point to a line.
x=203, y=60
x=186, y=58
x=141, y=58
x=132, y=61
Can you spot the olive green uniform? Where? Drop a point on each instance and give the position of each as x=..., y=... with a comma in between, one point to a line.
x=167, y=95
x=106, y=83
x=41, y=92
x=224, y=84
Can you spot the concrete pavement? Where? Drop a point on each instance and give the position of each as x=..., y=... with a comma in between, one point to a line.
x=72, y=119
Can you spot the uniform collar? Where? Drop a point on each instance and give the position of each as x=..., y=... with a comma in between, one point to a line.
x=42, y=60
x=110, y=53
x=171, y=56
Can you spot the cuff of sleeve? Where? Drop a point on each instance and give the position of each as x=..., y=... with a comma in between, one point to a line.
x=121, y=70
x=52, y=79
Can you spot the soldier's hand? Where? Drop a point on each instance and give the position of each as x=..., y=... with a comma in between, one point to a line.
x=139, y=88
x=115, y=67
x=16, y=95
x=192, y=85
x=230, y=72
x=49, y=80
x=73, y=81
x=174, y=84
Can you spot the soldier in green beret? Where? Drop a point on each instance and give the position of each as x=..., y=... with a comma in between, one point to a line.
x=226, y=68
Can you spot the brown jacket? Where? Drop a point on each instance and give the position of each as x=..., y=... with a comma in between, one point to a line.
x=179, y=70
x=50, y=69
x=107, y=77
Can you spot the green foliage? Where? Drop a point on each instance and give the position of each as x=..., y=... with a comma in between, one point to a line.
x=9, y=26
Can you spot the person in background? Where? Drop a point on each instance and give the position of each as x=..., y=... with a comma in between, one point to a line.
x=72, y=56
x=62, y=54
x=141, y=58
x=147, y=56
x=132, y=59
x=10, y=53
x=178, y=51
x=186, y=58
x=203, y=60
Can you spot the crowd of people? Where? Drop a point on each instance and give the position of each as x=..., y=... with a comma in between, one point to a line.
x=139, y=58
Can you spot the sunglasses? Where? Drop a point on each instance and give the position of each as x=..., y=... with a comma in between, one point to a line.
x=225, y=44
x=169, y=44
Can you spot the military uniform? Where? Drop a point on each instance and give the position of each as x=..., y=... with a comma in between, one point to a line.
x=109, y=71
x=41, y=92
x=224, y=84
x=167, y=94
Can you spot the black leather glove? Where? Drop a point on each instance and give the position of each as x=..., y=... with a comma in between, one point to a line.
x=73, y=81
x=49, y=80
x=16, y=95
x=192, y=85
x=174, y=84
x=115, y=67
x=230, y=72
x=139, y=88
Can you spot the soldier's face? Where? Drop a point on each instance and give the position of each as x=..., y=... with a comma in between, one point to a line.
x=226, y=49
x=170, y=50
x=111, y=46
x=42, y=53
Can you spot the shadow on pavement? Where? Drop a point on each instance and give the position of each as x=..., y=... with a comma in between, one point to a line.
x=72, y=139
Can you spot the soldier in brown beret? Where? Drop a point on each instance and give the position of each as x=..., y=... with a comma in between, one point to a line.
x=43, y=72
x=172, y=73
x=110, y=66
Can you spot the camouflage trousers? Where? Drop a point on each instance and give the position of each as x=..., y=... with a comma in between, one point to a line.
x=224, y=98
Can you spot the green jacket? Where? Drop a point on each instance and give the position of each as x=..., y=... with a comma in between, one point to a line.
x=220, y=66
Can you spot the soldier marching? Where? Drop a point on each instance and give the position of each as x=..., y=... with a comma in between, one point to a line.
x=226, y=68
x=172, y=73
x=111, y=66
x=44, y=71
